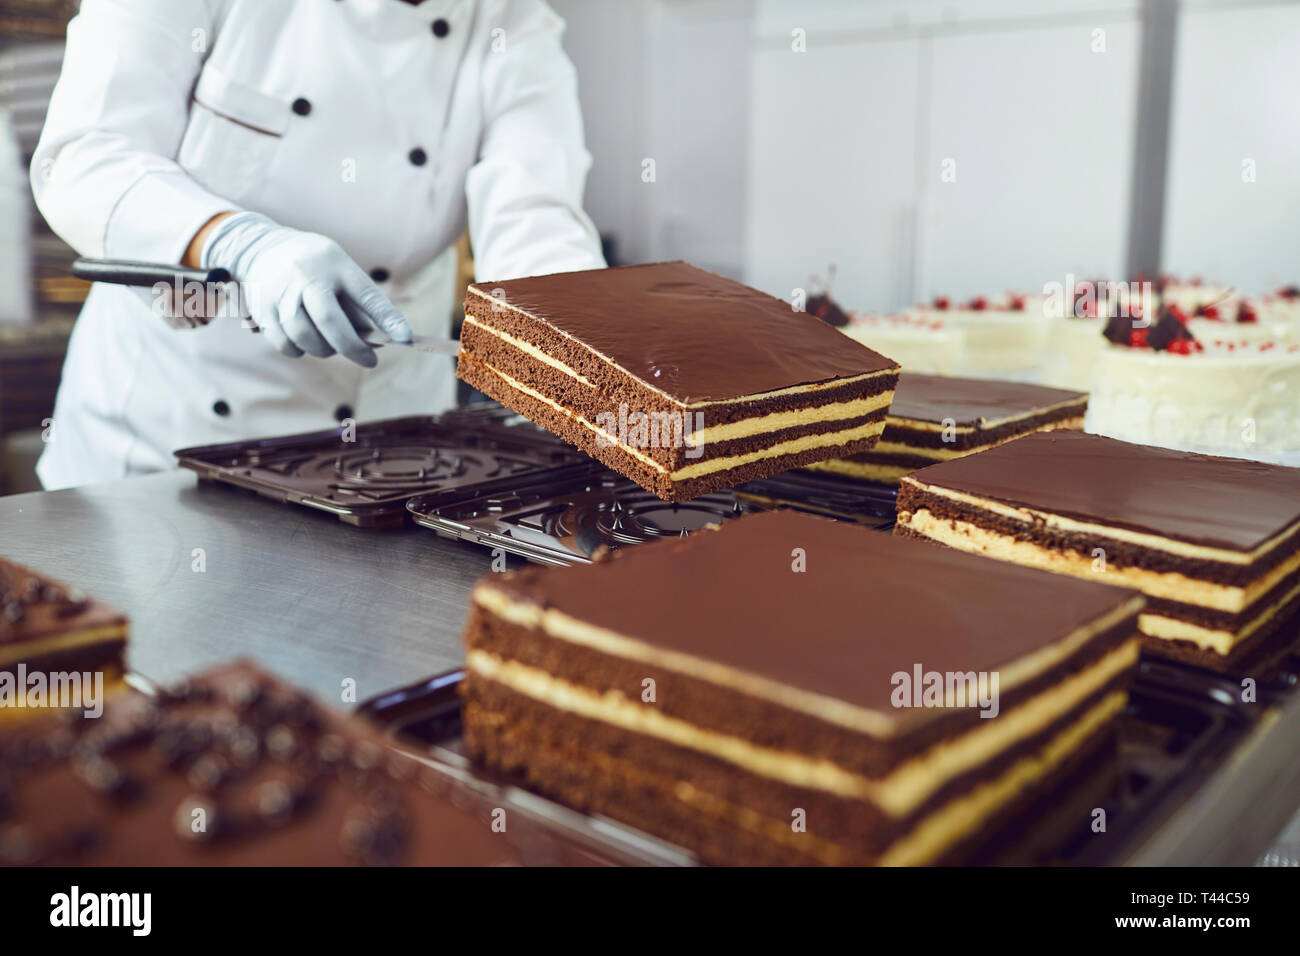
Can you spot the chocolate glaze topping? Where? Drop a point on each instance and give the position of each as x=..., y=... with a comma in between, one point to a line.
x=692, y=334
x=866, y=606
x=971, y=401
x=1222, y=502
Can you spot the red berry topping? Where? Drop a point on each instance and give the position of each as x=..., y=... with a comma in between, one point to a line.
x=1266, y=346
x=1208, y=311
x=1138, y=338
x=1177, y=313
x=979, y=304
x=1018, y=303
x=1181, y=346
x=1246, y=314
x=1198, y=345
x=941, y=302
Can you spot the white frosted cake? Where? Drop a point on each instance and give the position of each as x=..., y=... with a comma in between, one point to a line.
x=1241, y=400
x=929, y=346
x=1269, y=318
x=1281, y=307
x=1003, y=337
x=1072, y=349
x=1196, y=298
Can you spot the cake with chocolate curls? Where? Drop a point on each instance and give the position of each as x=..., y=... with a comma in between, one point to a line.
x=48, y=628
x=236, y=768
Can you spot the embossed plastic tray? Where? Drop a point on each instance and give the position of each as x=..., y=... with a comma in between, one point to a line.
x=365, y=477
x=567, y=516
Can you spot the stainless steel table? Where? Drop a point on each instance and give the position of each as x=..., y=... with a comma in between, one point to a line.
x=208, y=573
x=320, y=602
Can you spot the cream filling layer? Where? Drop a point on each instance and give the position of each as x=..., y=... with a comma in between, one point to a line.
x=709, y=465
x=948, y=454
x=942, y=828
x=776, y=421
x=564, y=627
x=792, y=390
x=1033, y=517
x=925, y=425
x=746, y=428
x=1215, y=639
x=26, y=650
x=1170, y=585
x=897, y=793
x=530, y=350
x=962, y=816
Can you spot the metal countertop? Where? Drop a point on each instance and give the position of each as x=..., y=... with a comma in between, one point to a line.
x=311, y=598
x=320, y=602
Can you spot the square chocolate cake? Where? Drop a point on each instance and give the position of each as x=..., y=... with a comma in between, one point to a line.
x=937, y=418
x=790, y=689
x=682, y=380
x=1214, y=543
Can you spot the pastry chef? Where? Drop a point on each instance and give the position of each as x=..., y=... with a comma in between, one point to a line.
x=328, y=153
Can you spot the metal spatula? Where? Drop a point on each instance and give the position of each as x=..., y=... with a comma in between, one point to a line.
x=148, y=274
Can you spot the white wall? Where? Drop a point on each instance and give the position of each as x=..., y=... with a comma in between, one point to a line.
x=1040, y=129
x=1236, y=97
x=851, y=139
x=772, y=165
x=669, y=82
x=832, y=166
x=609, y=44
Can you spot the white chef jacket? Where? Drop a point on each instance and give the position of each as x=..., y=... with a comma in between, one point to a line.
x=383, y=124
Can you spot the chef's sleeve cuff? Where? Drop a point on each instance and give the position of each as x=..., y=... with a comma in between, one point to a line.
x=156, y=219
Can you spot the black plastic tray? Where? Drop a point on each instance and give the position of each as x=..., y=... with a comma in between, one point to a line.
x=568, y=515
x=366, y=481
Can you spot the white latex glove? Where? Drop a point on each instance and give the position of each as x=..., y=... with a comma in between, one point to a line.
x=302, y=289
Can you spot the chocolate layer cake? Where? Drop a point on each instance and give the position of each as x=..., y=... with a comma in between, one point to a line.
x=234, y=768
x=738, y=694
x=47, y=628
x=1214, y=543
x=936, y=418
x=681, y=380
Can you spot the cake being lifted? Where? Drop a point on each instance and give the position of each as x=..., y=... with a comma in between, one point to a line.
x=738, y=694
x=682, y=380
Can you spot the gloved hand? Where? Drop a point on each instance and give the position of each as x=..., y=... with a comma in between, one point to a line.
x=302, y=289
